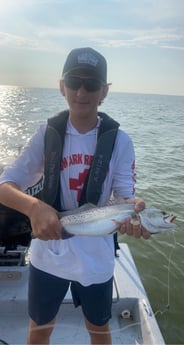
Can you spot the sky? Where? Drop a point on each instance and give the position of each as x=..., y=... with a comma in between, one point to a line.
x=142, y=40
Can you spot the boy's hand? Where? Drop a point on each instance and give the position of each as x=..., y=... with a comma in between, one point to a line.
x=45, y=222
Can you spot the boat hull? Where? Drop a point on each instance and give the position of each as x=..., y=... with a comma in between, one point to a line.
x=133, y=321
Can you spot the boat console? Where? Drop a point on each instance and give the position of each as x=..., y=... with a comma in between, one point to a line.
x=15, y=236
x=14, y=257
x=15, y=231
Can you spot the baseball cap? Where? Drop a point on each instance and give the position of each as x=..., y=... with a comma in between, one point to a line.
x=86, y=59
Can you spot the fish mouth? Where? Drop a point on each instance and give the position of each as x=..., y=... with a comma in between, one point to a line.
x=172, y=218
x=169, y=218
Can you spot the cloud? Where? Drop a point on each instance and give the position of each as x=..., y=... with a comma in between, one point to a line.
x=18, y=42
x=47, y=39
x=172, y=47
x=7, y=39
x=152, y=10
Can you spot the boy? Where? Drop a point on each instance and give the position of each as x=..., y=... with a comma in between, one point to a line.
x=85, y=262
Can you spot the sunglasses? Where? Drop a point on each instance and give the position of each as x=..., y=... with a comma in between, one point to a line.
x=90, y=84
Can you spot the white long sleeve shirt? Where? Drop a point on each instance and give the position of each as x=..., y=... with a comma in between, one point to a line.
x=85, y=259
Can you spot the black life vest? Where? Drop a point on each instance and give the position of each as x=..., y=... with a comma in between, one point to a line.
x=54, y=142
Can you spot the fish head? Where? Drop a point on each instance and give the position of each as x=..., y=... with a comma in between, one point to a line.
x=157, y=221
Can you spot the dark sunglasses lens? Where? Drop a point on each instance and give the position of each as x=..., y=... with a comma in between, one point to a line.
x=73, y=83
x=90, y=84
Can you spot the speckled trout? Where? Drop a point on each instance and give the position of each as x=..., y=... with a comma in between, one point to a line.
x=90, y=220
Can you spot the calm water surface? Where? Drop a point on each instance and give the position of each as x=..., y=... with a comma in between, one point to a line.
x=156, y=125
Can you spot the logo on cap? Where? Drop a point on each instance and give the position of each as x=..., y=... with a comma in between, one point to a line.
x=87, y=58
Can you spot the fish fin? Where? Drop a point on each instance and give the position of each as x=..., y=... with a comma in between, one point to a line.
x=116, y=222
x=77, y=210
x=65, y=234
x=87, y=206
x=118, y=225
x=113, y=232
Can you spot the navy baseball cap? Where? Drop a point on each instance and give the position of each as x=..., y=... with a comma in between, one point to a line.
x=86, y=59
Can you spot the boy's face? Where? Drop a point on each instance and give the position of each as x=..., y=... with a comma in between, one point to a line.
x=83, y=92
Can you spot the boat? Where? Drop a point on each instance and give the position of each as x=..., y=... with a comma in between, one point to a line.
x=133, y=320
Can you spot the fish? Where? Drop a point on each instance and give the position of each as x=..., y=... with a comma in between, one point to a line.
x=90, y=220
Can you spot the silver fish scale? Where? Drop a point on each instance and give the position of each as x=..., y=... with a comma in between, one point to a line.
x=96, y=221
x=94, y=214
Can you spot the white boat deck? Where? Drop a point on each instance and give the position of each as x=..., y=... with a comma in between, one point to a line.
x=132, y=322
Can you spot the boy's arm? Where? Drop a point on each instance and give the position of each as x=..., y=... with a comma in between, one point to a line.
x=44, y=220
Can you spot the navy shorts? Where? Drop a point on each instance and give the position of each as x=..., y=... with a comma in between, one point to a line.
x=46, y=293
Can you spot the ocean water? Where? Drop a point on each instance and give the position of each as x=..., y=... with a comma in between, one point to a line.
x=156, y=125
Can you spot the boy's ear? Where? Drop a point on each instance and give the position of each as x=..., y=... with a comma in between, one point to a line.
x=105, y=91
x=62, y=89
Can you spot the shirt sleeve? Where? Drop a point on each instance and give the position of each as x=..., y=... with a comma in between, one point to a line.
x=27, y=169
x=124, y=174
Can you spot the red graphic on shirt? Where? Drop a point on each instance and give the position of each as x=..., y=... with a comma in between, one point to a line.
x=77, y=184
x=76, y=159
